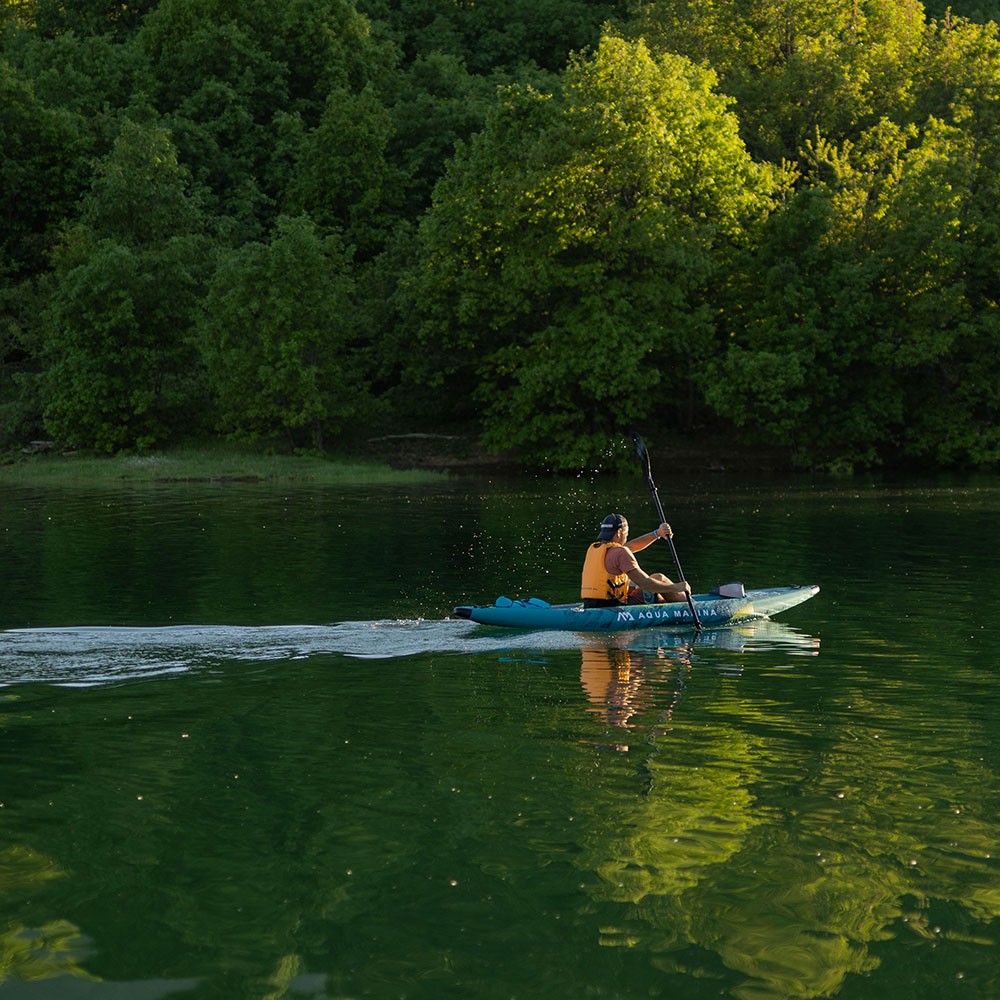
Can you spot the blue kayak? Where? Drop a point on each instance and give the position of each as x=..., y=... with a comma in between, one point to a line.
x=713, y=609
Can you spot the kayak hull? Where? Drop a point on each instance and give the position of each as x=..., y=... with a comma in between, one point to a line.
x=535, y=614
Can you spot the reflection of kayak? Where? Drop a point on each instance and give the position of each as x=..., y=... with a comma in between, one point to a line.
x=533, y=613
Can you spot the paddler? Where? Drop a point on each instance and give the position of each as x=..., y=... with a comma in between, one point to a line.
x=612, y=576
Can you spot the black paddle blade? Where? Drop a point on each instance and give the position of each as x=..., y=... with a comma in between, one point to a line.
x=640, y=447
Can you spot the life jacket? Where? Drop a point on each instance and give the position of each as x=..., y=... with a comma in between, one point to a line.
x=595, y=581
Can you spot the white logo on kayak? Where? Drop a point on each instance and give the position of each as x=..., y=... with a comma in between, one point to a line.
x=628, y=616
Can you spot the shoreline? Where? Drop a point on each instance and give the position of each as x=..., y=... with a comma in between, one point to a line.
x=393, y=457
x=459, y=453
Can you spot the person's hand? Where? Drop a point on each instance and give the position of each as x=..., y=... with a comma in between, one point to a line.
x=664, y=531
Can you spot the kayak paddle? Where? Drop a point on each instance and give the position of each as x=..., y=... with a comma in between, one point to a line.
x=640, y=447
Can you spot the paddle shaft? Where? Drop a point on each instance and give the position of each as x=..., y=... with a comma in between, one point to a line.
x=640, y=447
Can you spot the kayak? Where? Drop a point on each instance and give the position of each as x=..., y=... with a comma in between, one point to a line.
x=713, y=609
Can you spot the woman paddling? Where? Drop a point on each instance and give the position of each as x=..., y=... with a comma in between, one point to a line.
x=612, y=575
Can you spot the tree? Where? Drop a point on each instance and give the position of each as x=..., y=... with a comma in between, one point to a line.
x=864, y=326
x=570, y=247
x=439, y=104
x=872, y=333
x=975, y=10
x=501, y=35
x=795, y=67
x=42, y=172
x=276, y=336
x=343, y=179
x=941, y=256
x=85, y=74
x=115, y=335
x=217, y=91
x=52, y=18
x=239, y=82
x=798, y=316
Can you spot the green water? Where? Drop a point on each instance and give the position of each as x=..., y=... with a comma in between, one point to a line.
x=245, y=753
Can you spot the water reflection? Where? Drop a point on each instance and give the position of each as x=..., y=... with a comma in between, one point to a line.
x=395, y=804
x=627, y=677
x=615, y=683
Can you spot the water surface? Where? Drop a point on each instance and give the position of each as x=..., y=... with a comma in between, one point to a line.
x=246, y=752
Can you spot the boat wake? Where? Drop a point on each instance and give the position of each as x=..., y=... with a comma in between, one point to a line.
x=93, y=655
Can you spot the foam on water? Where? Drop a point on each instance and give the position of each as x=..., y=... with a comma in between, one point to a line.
x=89, y=655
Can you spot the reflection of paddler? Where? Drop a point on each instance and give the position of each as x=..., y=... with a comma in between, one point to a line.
x=611, y=679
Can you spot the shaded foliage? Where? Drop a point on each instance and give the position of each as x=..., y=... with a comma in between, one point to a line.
x=115, y=334
x=775, y=217
x=276, y=335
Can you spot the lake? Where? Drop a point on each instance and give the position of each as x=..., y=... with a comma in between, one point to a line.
x=246, y=752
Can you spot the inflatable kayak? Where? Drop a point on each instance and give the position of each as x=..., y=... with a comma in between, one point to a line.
x=713, y=609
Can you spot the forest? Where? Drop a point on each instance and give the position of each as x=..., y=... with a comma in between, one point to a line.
x=549, y=221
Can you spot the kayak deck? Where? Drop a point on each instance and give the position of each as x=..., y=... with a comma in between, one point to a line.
x=713, y=609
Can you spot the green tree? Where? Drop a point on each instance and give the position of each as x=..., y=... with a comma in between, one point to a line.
x=343, y=179
x=217, y=91
x=115, y=335
x=571, y=245
x=872, y=330
x=862, y=327
x=941, y=254
x=975, y=10
x=88, y=75
x=52, y=18
x=795, y=67
x=42, y=172
x=439, y=103
x=239, y=83
x=277, y=337
x=502, y=34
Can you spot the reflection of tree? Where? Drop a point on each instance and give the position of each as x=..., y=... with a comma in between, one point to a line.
x=32, y=953
x=691, y=819
x=793, y=895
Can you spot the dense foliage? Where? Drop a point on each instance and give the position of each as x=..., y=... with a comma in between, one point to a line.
x=553, y=220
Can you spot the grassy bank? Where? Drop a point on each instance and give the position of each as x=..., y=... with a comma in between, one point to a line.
x=213, y=463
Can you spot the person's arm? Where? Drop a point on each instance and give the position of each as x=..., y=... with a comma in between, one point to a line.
x=662, y=586
x=641, y=541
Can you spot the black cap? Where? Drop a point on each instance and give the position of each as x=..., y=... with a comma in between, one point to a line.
x=609, y=526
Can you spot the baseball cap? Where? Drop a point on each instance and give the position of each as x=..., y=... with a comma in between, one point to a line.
x=609, y=526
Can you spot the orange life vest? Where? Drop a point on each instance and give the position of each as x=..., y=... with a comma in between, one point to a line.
x=595, y=581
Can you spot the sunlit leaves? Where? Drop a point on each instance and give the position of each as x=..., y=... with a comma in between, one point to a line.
x=570, y=244
x=795, y=67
